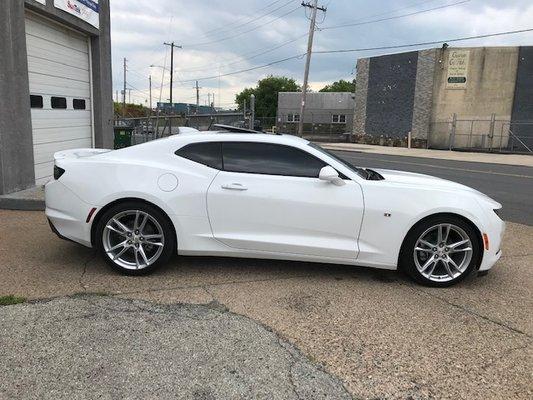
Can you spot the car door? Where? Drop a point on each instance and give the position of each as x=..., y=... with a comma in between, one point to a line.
x=268, y=198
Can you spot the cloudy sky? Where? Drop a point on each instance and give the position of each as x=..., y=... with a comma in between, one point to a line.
x=221, y=37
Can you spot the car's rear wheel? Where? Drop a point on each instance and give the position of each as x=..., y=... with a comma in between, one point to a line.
x=440, y=251
x=135, y=238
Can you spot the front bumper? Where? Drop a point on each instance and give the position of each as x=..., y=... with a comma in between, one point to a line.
x=495, y=229
x=67, y=213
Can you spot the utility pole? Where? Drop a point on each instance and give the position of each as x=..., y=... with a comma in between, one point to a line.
x=314, y=6
x=124, y=92
x=197, y=96
x=252, y=111
x=129, y=96
x=172, y=45
x=209, y=99
x=150, y=83
x=213, y=100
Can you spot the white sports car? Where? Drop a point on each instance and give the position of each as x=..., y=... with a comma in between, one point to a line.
x=267, y=196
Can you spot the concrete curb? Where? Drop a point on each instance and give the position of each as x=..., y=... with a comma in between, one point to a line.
x=9, y=203
x=31, y=199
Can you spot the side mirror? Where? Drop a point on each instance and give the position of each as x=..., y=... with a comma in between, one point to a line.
x=329, y=174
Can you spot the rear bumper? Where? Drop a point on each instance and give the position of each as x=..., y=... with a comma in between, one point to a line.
x=67, y=213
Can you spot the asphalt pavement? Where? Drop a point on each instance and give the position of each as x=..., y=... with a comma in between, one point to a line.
x=510, y=185
x=95, y=346
x=382, y=335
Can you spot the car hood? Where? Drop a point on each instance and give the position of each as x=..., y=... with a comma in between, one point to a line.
x=428, y=181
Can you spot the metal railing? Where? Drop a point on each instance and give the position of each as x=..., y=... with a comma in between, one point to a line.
x=316, y=125
x=489, y=135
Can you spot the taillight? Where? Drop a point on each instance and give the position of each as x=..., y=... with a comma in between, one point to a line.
x=58, y=172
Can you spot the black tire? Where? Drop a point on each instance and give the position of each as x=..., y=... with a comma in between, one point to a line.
x=168, y=241
x=407, y=261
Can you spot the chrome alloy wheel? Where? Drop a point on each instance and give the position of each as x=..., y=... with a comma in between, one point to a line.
x=443, y=252
x=133, y=239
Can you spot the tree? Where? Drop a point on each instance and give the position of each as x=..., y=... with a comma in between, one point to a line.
x=266, y=95
x=132, y=110
x=340, y=86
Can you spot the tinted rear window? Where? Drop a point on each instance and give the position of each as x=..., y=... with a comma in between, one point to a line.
x=209, y=154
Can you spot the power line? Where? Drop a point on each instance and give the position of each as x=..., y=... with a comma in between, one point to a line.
x=223, y=28
x=395, y=16
x=243, y=32
x=426, y=43
x=392, y=11
x=390, y=47
x=206, y=67
x=260, y=52
x=242, y=59
x=231, y=28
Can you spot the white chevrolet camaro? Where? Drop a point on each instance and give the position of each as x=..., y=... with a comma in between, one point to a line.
x=267, y=196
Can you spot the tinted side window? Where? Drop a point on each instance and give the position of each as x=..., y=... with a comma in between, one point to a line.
x=271, y=159
x=209, y=154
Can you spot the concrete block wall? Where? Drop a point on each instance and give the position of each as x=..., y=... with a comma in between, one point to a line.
x=390, y=94
x=522, y=114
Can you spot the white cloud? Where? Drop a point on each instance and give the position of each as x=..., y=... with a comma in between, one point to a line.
x=139, y=29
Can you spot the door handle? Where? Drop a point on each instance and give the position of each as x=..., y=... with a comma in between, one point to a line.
x=234, y=186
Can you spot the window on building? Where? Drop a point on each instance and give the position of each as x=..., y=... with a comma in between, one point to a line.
x=338, y=118
x=269, y=159
x=36, y=101
x=207, y=153
x=78, y=104
x=59, y=102
x=293, y=117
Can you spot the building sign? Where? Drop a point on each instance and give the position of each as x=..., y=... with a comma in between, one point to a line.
x=457, y=69
x=87, y=10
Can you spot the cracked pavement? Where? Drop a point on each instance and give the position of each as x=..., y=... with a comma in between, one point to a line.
x=138, y=350
x=380, y=334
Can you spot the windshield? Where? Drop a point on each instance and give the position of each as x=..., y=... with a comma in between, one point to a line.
x=359, y=171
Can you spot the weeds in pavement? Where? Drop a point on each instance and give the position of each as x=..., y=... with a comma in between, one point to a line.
x=10, y=300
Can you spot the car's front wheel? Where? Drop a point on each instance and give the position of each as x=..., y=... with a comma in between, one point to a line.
x=135, y=238
x=440, y=251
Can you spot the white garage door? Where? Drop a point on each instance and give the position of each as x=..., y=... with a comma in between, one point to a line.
x=60, y=89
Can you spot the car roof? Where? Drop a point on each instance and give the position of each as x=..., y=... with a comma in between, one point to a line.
x=177, y=141
x=224, y=136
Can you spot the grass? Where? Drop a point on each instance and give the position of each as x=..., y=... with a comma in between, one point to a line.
x=11, y=299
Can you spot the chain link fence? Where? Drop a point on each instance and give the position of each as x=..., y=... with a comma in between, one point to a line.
x=491, y=135
x=145, y=129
